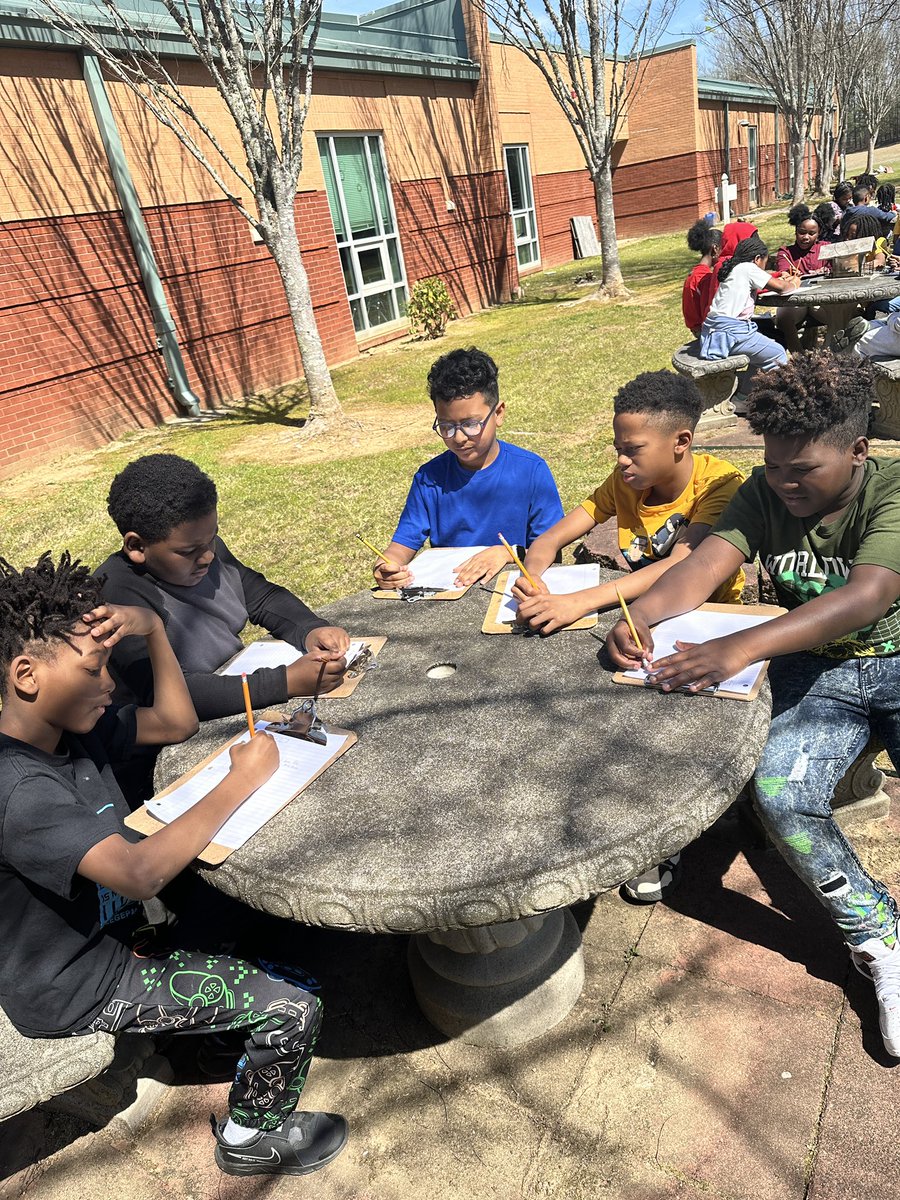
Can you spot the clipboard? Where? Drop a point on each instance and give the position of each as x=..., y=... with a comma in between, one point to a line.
x=463, y=553
x=748, y=610
x=214, y=855
x=349, y=686
x=492, y=625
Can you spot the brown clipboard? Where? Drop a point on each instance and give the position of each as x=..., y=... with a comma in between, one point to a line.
x=751, y=610
x=214, y=854
x=492, y=625
x=394, y=594
x=349, y=686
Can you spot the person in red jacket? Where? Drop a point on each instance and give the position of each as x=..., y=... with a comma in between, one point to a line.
x=802, y=258
x=697, y=293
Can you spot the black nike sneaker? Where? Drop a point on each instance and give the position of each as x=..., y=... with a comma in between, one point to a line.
x=306, y=1142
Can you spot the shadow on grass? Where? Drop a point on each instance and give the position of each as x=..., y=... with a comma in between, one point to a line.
x=286, y=405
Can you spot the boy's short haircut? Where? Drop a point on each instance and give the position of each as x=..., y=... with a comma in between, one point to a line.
x=702, y=237
x=40, y=604
x=860, y=194
x=817, y=396
x=460, y=373
x=671, y=401
x=154, y=494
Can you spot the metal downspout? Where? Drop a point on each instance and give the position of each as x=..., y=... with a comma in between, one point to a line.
x=166, y=333
x=777, y=154
x=727, y=112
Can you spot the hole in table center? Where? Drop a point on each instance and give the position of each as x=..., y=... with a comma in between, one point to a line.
x=441, y=671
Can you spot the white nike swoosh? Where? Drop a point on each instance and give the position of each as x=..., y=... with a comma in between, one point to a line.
x=273, y=1156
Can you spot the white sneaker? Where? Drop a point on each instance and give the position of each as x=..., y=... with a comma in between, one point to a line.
x=882, y=963
x=657, y=883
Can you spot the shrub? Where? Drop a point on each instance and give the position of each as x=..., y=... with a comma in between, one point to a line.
x=429, y=307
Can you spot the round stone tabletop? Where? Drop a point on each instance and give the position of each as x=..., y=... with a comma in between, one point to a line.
x=523, y=782
x=852, y=289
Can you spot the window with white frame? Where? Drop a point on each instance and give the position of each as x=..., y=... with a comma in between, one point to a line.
x=365, y=226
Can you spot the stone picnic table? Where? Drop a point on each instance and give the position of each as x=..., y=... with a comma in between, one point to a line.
x=837, y=297
x=479, y=804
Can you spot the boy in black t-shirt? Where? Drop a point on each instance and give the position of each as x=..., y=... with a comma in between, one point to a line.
x=825, y=521
x=72, y=874
x=173, y=562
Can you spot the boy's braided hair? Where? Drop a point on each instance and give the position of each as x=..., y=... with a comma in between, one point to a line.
x=42, y=603
x=817, y=396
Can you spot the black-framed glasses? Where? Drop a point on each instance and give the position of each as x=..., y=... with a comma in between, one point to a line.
x=471, y=427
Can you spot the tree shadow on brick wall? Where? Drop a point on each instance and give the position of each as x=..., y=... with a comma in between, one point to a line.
x=77, y=289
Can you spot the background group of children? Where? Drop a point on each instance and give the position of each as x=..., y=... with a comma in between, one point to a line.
x=719, y=294
x=98, y=671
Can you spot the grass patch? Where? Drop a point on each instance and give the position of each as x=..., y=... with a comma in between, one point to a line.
x=290, y=510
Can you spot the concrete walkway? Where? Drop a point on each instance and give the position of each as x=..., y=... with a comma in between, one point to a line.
x=722, y=1048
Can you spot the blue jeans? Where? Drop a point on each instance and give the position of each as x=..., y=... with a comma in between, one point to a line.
x=823, y=711
x=888, y=306
x=721, y=337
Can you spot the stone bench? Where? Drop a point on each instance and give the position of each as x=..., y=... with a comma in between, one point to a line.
x=886, y=414
x=37, y=1069
x=716, y=379
x=119, y=1076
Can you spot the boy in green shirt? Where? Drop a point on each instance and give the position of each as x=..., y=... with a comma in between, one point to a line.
x=825, y=521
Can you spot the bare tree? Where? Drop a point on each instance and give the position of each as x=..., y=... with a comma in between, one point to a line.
x=258, y=55
x=591, y=54
x=784, y=45
x=875, y=67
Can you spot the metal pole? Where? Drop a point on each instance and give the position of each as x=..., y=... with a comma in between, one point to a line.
x=727, y=138
x=777, y=154
x=166, y=333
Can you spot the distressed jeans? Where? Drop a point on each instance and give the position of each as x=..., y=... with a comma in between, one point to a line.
x=823, y=711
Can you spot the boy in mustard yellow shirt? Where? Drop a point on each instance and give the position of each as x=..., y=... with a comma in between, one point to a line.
x=665, y=500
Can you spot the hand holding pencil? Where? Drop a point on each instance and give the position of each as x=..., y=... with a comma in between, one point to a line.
x=630, y=642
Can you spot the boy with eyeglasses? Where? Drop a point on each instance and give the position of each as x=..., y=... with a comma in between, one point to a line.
x=478, y=487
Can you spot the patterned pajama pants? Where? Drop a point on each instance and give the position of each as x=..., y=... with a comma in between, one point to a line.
x=192, y=992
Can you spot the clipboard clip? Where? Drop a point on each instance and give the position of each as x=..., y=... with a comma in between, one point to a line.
x=303, y=722
x=364, y=661
x=412, y=594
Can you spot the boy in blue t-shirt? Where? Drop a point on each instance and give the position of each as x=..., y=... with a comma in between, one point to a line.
x=824, y=519
x=478, y=487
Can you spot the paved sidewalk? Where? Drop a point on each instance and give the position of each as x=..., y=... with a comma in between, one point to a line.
x=722, y=1048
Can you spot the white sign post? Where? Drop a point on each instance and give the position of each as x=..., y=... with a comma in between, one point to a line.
x=724, y=195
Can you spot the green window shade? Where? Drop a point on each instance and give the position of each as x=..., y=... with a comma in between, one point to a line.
x=331, y=189
x=355, y=186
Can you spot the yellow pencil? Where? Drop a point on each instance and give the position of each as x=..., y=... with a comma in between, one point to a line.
x=377, y=553
x=249, y=706
x=517, y=560
x=627, y=615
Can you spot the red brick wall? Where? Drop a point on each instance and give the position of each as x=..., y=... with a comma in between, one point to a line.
x=77, y=349
x=655, y=197
x=557, y=198
x=470, y=247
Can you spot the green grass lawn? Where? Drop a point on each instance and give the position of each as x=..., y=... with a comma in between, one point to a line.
x=291, y=510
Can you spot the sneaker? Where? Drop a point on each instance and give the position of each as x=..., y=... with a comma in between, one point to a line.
x=846, y=338
x=882, y=964
x=657, y=883
x=306, y=1142
x=741, y=406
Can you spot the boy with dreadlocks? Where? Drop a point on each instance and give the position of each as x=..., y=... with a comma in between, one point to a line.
x=824, y=518
x=72, y=874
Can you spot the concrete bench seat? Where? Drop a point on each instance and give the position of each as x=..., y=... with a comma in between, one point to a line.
x=716, y=379
x=37, y=1069
x=886, y=415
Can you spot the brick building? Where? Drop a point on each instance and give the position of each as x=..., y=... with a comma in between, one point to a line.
x=423, y=140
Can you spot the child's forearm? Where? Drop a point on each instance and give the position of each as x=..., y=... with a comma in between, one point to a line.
x=832, y=615
x=542, y=553
x=172, y=717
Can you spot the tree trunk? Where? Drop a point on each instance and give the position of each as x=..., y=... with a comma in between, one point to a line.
x=613, y=284
x=285, y=250
x=799, y=172
x=870, y=156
